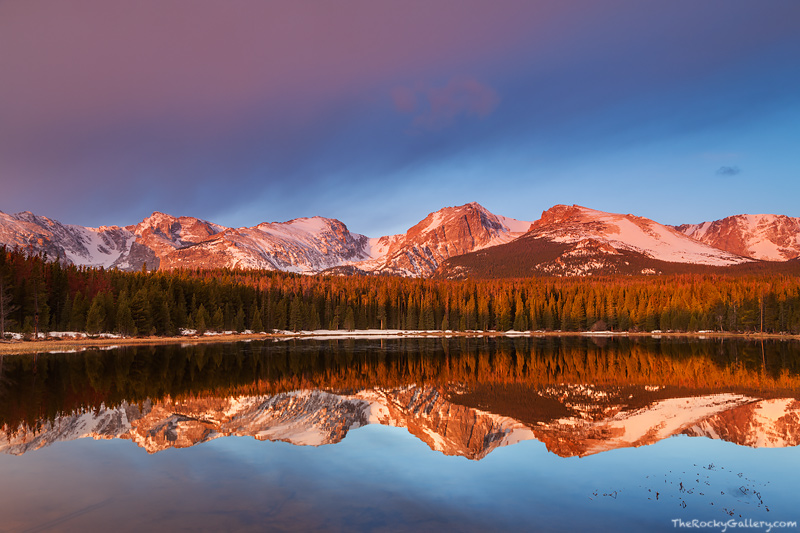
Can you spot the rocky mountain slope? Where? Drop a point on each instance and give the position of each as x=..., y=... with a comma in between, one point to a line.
x=764, y=237
x=162, y=241
x=581, y=227
x=453, y=242
x=107, y=246
x=578, y=241
x=303, y=245
x=446, y=233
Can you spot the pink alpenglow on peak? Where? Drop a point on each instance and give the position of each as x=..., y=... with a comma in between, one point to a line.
x=566, y=240
x=764, y=237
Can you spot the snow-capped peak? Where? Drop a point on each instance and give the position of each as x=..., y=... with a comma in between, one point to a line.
x=442, y=234
x=765, y=237
x=572, y=224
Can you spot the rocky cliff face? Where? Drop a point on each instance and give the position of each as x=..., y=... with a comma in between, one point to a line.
x=446, y=233
x=765, y=237
x=97, y=247
x=164, y=234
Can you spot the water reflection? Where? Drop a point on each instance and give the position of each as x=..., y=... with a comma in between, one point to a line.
x=461, y=397
x=598, y=419
x=266, y=412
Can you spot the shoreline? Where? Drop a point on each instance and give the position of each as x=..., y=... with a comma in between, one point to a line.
x=72, y=344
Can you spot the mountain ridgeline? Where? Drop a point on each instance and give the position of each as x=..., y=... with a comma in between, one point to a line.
x=454, y=242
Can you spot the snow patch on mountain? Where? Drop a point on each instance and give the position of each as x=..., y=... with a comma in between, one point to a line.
x=573, y=224
x=765, y=237
x=94, y=247
x=98, y=247
x=442, y=234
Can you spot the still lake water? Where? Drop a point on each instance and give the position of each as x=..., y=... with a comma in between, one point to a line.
x=524, y=434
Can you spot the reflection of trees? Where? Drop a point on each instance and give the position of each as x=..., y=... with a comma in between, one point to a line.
x=63, y=383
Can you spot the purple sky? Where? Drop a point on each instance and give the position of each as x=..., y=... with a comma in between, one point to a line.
x=377, y=113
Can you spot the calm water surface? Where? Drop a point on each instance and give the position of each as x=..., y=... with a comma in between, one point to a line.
x=472, y=435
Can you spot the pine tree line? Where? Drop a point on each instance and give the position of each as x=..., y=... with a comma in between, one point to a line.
x=48, y=296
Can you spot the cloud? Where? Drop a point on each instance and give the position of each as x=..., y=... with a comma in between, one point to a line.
x=728, y=171
x=441, y=106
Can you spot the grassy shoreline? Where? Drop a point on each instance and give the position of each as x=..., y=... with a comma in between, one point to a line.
x=80, y=344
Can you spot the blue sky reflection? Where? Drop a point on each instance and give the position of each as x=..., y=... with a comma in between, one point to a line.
x=384, y=478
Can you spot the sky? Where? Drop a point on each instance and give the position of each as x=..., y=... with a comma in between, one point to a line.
x=378, y=113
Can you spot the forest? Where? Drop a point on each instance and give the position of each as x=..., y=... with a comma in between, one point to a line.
x=41, y=295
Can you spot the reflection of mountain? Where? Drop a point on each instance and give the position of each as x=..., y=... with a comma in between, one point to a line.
x=767, y=423
x=598, y=421
x=302, y=418
x=586, y=435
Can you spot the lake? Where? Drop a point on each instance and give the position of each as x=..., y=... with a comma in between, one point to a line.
x=404, y=434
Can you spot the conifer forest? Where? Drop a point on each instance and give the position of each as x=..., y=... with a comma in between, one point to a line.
x=41, y=295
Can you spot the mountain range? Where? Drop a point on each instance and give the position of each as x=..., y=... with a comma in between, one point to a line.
x=454, y=242
x=571, y=420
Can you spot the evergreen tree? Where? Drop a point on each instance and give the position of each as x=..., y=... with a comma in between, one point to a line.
x=159, y=311
x=411, y=316
x=178, y=314
x=256, y=324
x=282, y=314
x=78, y=311
x=239, y=320
x=124, y=319
x=550, y=316
x=428, y=318
x=66, y=314
x=349, y=319
x=520, y=316
x=95, y=320
x=296, y=319
x=218, y=320
x=141, y=312
x=201, y=320
x=503, y=313
x=228, y=322
x=314, y=320
x=7, y=306
x=335, y=318
x=567, y=322
x=382, y=315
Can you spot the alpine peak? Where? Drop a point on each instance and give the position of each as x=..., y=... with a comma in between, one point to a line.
x=565, y=240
